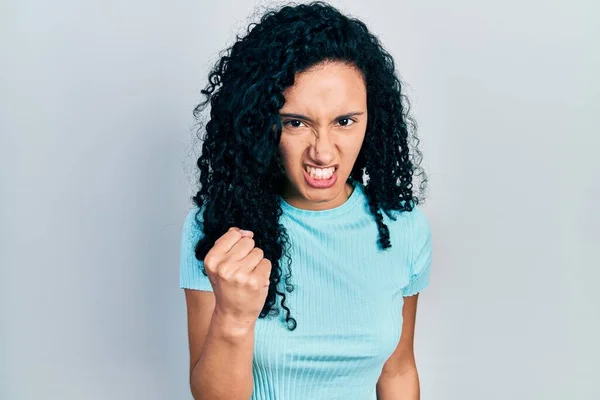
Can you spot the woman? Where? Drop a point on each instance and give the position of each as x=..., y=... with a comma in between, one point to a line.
x=301, y=273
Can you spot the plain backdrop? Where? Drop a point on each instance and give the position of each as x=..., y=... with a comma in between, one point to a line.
x=97, y=168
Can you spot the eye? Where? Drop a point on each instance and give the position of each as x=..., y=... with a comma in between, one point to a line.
x=345, y=122
x=294, y=123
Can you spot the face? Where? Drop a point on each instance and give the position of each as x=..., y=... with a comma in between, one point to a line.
x=324, y=122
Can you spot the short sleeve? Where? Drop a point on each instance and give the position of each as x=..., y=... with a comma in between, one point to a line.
x=421, y=249
x=190, y=268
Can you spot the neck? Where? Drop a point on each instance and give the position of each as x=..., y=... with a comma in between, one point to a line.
x=295, y=199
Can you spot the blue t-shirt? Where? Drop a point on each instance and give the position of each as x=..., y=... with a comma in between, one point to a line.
x=347, y=299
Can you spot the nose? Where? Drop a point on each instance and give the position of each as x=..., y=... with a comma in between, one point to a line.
x=323, y=150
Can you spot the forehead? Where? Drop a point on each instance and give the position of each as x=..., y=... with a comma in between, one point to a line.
x=327, y=87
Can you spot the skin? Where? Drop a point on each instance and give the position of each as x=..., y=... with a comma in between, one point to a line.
x=399, y=379
x=324, y=122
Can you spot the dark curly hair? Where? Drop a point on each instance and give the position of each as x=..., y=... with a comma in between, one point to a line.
x=241, y=175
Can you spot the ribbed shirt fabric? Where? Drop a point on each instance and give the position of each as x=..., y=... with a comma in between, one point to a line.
x=347, y=299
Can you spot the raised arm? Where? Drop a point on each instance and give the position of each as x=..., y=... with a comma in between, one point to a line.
x=220, y=351
x=221, y=323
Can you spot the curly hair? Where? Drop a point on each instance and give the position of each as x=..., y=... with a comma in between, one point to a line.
x=241, y=174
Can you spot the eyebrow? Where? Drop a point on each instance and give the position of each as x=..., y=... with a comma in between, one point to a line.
x=305, y=118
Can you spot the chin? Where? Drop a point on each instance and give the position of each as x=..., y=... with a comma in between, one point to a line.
x=303, y=192
x=322, y=195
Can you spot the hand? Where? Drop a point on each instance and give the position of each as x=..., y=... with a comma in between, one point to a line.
x=239, y=275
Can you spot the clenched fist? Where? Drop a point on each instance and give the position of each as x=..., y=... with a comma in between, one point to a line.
x=239, y=275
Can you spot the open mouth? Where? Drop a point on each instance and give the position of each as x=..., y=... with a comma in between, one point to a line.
x=320, y=173
x=320, y=178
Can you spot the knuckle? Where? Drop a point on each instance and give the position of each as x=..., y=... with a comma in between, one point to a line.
x=235, y=234
x=210, y=262
x=240, y=279
x=253, y=284
x=223, y=274
x=259, y=252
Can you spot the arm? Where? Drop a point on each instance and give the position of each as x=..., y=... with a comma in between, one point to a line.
x=220, y=351
x=399, y=379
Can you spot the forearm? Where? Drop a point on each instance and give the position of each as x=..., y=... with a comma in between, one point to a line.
x=224, y=369
x=404, y=386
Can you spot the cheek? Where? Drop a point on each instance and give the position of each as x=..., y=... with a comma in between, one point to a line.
x=353, y=145
x=360, y=145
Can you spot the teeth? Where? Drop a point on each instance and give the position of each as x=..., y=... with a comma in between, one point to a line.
x=320, y=173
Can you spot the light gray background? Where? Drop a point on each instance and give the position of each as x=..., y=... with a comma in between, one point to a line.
x=97, y=170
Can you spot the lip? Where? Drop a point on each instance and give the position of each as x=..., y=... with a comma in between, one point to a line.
x=322, y=167
x=320, y=183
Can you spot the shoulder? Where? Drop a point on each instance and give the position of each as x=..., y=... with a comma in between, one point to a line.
x=418, y=221
x=411, y=232
x=419, y=247
x=191, y=269
x=192, y=224
x=414, y=223
x=414, y=220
